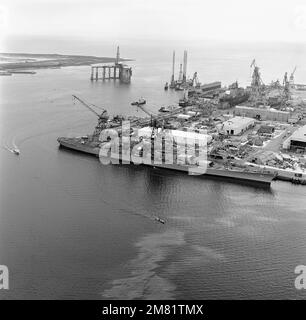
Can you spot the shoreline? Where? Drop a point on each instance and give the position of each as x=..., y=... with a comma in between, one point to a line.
x=47, y=61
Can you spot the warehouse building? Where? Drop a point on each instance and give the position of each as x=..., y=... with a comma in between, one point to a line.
x=237, y=125
x=297, y=141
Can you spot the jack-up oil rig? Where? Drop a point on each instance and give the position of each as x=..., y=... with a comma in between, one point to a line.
x=118, y=71
x=182, y=79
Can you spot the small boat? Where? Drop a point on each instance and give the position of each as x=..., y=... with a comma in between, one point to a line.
x=16, y=151
x=140, y=102
x=166, y=86
x=160, y=220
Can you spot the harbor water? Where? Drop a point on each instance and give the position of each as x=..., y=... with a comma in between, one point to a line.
x=73, y=228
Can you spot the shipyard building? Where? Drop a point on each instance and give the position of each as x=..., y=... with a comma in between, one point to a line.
x=297, y=141
x=236, y=126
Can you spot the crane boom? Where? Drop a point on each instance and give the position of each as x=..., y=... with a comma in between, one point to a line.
x=87, y=106
x=195, y=80
x=253, y=63
x=292, y=74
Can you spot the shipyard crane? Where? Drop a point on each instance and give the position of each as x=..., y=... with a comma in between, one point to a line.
x=159, y=117
x=256, y=79
x=257, y=84
x=292, y=76
x=103, y=115
x=253, y=63
x=154, y=119
x=195, y=80
x=285, y=79
x=286, y=86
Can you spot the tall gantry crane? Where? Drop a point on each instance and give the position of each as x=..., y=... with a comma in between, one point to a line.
x=154, y=119
x=85, y=104
x=195, y=80
x=286, y=86
x=291, y=79
x=256, y=78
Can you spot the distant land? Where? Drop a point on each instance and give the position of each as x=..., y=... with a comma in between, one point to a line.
x=32, y=61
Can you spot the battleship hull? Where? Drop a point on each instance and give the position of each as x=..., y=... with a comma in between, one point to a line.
x=263, y=179
x=222, y=174
x=77, y=145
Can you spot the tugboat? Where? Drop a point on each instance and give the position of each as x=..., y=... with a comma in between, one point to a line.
x=140, y=102
x=16, y=151
x=160, y=220
x=166, y=86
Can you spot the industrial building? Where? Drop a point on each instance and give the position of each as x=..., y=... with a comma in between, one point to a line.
x=263, y=157
x=237, y=125
x=297, y=141
x=211, y=86
x=265, y=113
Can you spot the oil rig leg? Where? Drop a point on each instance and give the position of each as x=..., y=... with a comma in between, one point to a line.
x=92, y=74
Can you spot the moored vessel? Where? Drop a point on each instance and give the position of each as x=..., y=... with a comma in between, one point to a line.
x=93, y=148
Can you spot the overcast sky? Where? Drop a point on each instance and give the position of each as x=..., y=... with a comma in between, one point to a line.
x=157, y=19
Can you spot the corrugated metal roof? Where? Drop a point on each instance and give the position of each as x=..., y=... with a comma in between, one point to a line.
x=299, y=134
x=238, y=122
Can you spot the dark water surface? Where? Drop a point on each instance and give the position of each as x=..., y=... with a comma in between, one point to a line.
x=73, y=228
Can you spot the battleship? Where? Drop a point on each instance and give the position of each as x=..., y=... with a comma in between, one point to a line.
x=244, y=176
x=92, y=145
